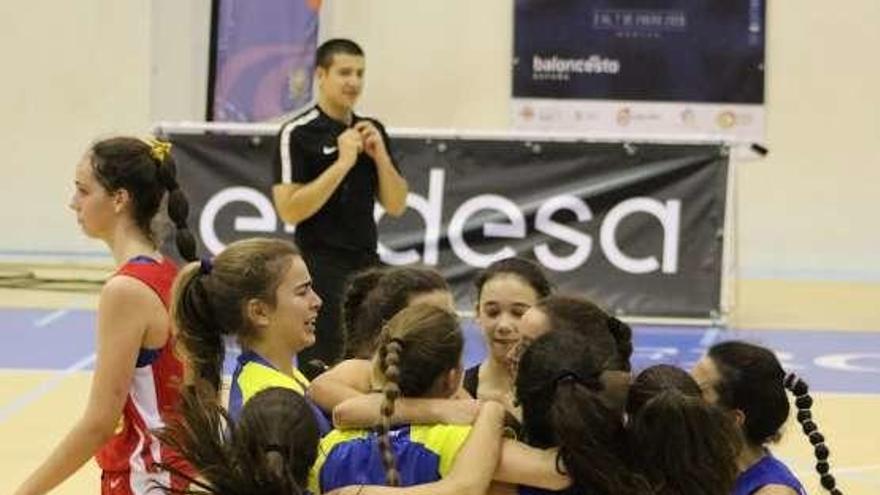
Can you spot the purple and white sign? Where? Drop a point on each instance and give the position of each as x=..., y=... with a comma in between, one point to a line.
x=265, y=56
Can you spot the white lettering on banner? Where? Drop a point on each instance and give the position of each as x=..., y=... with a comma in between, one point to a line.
x=265, y=222
x=431, y=211
x=544, y=223
x=516, y=229
x=668, y=215
x=847, y=362
x=594, y=64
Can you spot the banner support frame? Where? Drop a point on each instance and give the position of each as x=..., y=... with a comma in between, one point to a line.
x=271, y=128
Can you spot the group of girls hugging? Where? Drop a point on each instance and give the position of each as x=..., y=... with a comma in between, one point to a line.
x=554, y=408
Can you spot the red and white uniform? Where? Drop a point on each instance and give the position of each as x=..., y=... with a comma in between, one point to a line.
x=127, y=459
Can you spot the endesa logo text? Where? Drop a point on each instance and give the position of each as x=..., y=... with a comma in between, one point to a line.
x=511, y=225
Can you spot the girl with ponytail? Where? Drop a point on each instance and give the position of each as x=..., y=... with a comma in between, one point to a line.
x=371, y=299
x=567, y=407
x=749, y=381
x=682, y=444
x=610, y=339
x=419, y=355
x=258, y=291
x=120, y=185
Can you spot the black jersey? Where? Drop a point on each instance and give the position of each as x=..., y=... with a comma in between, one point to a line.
x=307, y=147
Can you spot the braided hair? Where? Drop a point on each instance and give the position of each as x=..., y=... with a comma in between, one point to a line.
x=753, y=381
x=391, y=391
x=418, y=346
x=148, y=172
x=801, y=391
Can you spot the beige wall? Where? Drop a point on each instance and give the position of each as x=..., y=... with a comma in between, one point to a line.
x=806, y=211
x=71, y=71
x=811, y=208
x=180, y=35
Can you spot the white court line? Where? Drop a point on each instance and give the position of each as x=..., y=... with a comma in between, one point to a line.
x=855, y=469
x=49, y=318
x=44, y=388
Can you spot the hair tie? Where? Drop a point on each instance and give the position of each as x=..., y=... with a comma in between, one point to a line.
x=206, y=266
x=794, y=383
x=159, y=150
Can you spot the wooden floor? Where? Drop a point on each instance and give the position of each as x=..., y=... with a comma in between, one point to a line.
x=38, y=407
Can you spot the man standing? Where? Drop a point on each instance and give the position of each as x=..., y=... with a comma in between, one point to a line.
x=331, y=167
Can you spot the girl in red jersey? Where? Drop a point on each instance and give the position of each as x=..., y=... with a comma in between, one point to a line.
x=120, y=184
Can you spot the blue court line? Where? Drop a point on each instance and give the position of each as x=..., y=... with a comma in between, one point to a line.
x=842, y=362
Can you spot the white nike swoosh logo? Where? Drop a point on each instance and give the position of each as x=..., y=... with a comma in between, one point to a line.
x=328, y=150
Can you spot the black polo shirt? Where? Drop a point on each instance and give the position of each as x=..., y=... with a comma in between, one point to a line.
x=307, y=147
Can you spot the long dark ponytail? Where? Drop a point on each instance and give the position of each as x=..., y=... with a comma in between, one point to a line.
x=564, y=404
x=209, y=298
x=804, y=402
x=680, y=442
x=753, y=381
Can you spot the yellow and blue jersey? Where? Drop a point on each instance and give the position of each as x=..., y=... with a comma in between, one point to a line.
x=424, y=453
x=253, y=374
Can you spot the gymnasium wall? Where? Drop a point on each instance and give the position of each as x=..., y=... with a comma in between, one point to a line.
x=71, y=71
x=807, y=211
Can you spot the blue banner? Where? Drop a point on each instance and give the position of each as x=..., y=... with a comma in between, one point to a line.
x=640, y=68
x=265, y=57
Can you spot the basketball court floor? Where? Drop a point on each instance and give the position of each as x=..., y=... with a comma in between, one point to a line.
x=828, y=332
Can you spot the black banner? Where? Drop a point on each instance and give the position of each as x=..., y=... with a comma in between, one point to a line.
x=637, y=228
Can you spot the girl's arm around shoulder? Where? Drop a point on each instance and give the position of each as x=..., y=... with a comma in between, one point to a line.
x=364, y=411
x=472, y=471
x=350, y=378
x=521, y=464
